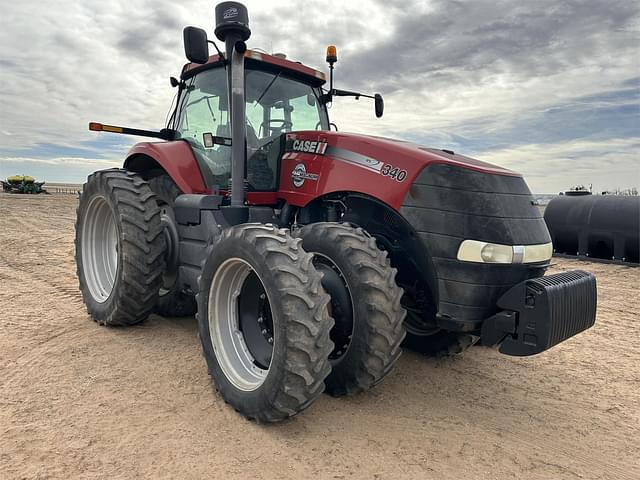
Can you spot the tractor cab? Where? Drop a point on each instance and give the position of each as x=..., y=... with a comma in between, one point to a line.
x=280, y=97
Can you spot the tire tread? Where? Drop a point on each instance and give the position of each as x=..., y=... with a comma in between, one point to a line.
x=141, y=242
x=307, y=341
x=381, y=295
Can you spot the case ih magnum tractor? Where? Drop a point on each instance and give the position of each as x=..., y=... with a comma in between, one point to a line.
x=308, y=254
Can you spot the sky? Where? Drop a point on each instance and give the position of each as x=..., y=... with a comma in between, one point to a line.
x=550, y=89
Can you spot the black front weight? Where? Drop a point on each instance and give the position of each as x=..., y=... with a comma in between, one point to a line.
x=542, y=312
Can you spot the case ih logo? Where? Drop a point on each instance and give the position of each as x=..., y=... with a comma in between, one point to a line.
x=299, y=175
x=309, y=146
x=230, y=13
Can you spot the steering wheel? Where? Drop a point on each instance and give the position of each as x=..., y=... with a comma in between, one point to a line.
x=284, y=124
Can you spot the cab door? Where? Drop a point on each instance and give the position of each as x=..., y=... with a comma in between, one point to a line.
x=276, y=105
x=203, y=115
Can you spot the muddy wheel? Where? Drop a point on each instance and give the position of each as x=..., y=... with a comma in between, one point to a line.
x=172, y=301
x=263, y=322
x=120, y=247
x=365, y=304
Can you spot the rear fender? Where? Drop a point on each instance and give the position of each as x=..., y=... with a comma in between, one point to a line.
x=176, y=158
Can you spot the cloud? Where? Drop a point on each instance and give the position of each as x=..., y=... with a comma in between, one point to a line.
x=554, y=167
x=63, y=161
x=489, y=78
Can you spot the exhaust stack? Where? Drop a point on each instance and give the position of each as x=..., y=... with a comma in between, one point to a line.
x=232, y=27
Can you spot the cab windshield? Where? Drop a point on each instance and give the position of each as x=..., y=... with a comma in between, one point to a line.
x=275, y=104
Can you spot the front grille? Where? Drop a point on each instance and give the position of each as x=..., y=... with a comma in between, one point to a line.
x=447, y=204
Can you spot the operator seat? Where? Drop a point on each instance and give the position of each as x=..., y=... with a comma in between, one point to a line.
x=259, y=173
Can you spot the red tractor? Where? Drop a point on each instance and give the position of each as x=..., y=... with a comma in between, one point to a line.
x=305, y=253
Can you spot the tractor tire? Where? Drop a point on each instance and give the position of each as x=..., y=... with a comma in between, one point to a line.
x=365, y=304
x=120, y=247
x=172, y=300
x=263, y=322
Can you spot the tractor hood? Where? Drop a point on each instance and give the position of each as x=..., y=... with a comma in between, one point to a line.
x=388, y=149
x=321, y=162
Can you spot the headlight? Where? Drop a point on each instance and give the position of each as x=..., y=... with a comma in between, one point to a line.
x=483, y=252
x=537, y=253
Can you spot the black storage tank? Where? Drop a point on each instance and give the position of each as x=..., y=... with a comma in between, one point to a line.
x=597, y=226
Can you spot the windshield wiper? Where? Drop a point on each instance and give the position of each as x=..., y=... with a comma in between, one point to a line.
x=268, y=87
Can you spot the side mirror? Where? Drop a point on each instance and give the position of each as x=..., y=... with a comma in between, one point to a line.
x=379, y=105
x=311, y=100
x=196, y=47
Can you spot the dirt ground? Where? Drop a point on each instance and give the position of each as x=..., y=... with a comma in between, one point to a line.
x=82, y=401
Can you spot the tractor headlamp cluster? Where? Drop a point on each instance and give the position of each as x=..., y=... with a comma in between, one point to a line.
x=483, y=252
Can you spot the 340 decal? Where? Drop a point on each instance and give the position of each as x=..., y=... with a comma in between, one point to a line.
x=396, y=173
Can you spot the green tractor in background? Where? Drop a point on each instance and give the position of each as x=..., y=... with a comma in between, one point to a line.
x=22, y=184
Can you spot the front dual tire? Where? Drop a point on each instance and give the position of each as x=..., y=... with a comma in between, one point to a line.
x=263, y=322
x=365, y=304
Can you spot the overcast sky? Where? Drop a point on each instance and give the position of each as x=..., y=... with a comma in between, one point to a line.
x=550, y=89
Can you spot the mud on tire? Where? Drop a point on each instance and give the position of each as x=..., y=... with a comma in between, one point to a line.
x=120, y=247
x=258, y=272
x=377, y=330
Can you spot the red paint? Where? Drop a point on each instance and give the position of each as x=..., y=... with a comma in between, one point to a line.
x=280, y=62
x=295, y=66
x=336, y=175
x=177, y=159
x=262, y=198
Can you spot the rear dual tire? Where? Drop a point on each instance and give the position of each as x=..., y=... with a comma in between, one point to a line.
x=120, y=247
x=172, y=300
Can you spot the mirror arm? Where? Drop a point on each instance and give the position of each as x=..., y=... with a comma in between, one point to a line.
x=220, y=54
x=347, y=93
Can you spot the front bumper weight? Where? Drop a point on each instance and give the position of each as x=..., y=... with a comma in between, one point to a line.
x=542, y=312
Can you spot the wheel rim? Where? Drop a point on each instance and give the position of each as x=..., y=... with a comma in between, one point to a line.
x=340, y=307
x=170, y=231
x=241, y=324
x=99, y=249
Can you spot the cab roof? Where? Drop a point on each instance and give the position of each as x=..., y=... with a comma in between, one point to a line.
x=296, y=69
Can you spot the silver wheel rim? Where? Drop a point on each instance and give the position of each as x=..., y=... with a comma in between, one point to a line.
x=229, y=346
x=99, y=249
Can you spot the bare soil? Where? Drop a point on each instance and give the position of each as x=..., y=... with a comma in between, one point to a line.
x=82, y=401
